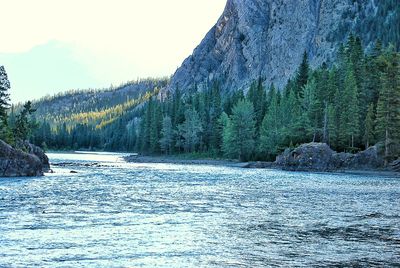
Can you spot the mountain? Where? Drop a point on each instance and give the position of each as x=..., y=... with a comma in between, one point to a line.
x=267, y=38
x=94, y=108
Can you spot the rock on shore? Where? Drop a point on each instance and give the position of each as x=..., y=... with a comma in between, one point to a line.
x=17, y=163
x=320, y=157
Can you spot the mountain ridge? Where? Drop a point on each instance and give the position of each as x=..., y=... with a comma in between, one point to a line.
x=267, y=38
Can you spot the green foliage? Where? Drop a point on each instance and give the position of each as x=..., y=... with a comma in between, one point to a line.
x=271, y=128
x=240, y=131
x=24, y=123
x=350, y=105
x=189, y=131
x=167, y=135
x=369, y=133
x=5, y=132
x=388, y=108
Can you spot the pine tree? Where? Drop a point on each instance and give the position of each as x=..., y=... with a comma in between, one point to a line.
x=388, y=109
x=167, y=135
x=242, y=130
x=350, y=113
x=189, y=131
x=312, y=110
x=155, y=128
x=226, y=135
x=4, y=95
x=332, y=126
x=23, y=125
x=215, y=113
x=5, y=133
x=270, y=132
x=369, y=132
x=302, y=75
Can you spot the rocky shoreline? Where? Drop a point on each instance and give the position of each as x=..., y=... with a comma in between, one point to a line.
x=27, y=161
x=310, y=157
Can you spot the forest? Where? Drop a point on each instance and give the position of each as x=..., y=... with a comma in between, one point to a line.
x=351, y=104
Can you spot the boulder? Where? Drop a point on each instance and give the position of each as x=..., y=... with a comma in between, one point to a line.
x=395, y=165
x=307, y=157
x=35, y=150
x=368, y=159
x=258, y=164
x=16, y=163
x=320, y=157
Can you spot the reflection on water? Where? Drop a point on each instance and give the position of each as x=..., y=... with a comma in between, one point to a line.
x=164, y=215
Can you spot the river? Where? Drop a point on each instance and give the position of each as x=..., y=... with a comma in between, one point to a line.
x=118, y=214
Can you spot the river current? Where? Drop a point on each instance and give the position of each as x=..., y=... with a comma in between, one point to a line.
x=117, y=214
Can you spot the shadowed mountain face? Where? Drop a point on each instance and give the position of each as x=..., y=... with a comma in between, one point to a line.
x=267, y=38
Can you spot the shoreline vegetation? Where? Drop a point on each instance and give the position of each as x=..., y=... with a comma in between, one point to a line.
x=349, y=104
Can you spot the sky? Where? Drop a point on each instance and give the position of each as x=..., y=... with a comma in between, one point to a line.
x=50, y=46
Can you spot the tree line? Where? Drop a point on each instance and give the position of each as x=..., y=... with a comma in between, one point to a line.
x=351, y=104
x=14, y=128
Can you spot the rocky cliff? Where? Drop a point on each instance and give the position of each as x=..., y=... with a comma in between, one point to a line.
x=267, y=38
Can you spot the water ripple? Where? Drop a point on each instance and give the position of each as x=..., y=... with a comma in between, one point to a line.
x=162, y=215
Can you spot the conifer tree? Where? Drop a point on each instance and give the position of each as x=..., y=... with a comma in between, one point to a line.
x=155, y=128
x=167, y=135
x=388, y=109
x=23, y=124
x=350, y=113
x=302, y=75
x=270, y=132
x=5, y=133
x=189, y=131
x=369, y=130
x=242, y=130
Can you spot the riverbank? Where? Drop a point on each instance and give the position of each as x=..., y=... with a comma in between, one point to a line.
x=251, y=165
x=182, y=160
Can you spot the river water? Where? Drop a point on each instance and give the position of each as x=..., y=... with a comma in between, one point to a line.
x=164, y=215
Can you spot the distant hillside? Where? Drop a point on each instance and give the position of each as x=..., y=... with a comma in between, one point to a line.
x=86, y=101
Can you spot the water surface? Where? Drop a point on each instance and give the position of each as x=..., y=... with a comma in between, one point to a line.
x=164, y=215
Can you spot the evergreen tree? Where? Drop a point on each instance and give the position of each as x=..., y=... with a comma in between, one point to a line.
x=312, y=110
x=189, y=131
x=226, y=135
x=369, y=132
x=302, y=75
x=271, y=133
x=4, y=95
x=388, y=109
x=23, y=125
x=5, y=133
x=241, y=130
x=167, y=135
x=350, y=113
x=155, y=128
x=332, y=126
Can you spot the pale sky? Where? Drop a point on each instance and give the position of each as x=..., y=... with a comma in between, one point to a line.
x=49, y=46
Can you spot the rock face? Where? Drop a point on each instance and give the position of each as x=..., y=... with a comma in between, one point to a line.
x=307, y=157
x=267, y=38
x=320, y=157
x=395, y=165
x=35, y=150
x=16, y=163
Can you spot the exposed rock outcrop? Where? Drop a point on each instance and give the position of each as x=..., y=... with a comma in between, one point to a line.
x=35, y=150
x=16, y=163
x=320, y=157
x=395, y=165
x=267, y=38
x=307, y=157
